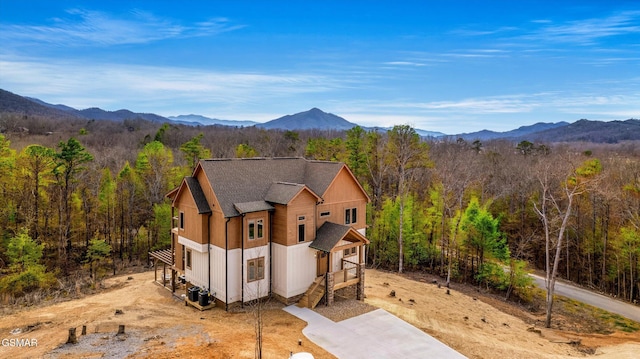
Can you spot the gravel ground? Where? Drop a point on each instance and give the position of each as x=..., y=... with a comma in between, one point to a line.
x=112, y=346
x=345, y=306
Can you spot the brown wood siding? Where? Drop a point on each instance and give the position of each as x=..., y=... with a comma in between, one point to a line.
x=257, y=242
x=344, y=192
x=217, y=217
x=217, y=229
x=304, y=204
x=235, y=230
x=194, y=223
x=279, y=230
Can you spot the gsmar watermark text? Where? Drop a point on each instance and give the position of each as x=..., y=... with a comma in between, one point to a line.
x=15, y=342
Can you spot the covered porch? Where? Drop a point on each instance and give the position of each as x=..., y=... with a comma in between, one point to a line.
x=340, y=263
x=169, y=277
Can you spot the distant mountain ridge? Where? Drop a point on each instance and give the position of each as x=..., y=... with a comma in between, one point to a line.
x=582, y=130
x=203, y=120
x=314, y=118
x=520, y=132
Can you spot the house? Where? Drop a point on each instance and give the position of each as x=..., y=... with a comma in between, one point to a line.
x=249, y=228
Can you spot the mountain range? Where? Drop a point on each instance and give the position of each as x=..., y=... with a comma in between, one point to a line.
x=582, y=130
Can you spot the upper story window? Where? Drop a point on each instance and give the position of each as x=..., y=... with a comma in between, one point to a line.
x=350, y=216
x=301, y=229
x=325, y=214
x=256, y=229
x=181, y=220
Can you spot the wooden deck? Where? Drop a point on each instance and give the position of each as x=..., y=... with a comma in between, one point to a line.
x=198, y=306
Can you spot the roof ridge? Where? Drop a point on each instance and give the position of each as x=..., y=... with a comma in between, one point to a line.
x=254, y=159
x=290, y=183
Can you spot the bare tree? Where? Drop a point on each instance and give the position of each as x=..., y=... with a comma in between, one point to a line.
x=554, y=210
x=406, y=153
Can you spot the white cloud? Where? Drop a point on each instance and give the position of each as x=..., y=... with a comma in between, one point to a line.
x=85, y=27
x=95, y=84
x=588, y=31
x=404, y=63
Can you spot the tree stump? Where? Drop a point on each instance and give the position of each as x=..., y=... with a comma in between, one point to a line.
x=72, y=336
x=120, y=329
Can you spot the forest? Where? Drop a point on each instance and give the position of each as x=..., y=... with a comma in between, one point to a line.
x=81, y=200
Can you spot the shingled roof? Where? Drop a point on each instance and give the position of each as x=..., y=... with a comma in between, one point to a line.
x=198, y=195
x=274, y=180
x=329, y=234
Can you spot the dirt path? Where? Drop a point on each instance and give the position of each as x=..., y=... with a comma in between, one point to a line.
x=160, y=326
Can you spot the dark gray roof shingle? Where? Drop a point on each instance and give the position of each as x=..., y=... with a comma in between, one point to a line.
x=251, y=179
x=328, y=235
x=198, y=195
x=256, y=206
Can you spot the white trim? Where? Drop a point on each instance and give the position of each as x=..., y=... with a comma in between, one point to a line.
x=202, y=248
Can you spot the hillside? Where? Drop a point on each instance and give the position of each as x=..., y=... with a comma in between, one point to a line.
x=12, y=103
x=593, y=131
x=520, y=132
x=158, y=325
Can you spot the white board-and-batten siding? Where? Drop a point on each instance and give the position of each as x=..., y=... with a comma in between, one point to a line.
x=294, y=269
x=197, y=274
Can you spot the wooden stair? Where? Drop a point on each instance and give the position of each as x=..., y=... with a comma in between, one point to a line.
x=312, y=296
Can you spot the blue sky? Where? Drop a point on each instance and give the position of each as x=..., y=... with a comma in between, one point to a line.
x=448, y=66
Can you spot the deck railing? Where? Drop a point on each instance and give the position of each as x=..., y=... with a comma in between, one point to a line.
x=348, y=273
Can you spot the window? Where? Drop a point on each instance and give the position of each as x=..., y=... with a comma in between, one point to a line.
x=255, y=269
x=260, y=228
x=181, y=220
x=301, y=229
x=256, y=229
x=252, y=230
x=349, y=252
x=350, y=216
x=183, y=262
x=325, y=214
x=188, y=259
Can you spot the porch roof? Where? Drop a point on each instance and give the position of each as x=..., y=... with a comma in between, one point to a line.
x=163, y=255
x=329, y=234
x=255, y=206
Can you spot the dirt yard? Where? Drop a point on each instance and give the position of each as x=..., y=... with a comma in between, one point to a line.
x=160, y=326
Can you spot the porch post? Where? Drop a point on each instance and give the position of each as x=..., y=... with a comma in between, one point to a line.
x=360, y=287
x=330, y=285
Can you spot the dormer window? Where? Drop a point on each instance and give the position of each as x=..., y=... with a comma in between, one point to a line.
x=256, y=229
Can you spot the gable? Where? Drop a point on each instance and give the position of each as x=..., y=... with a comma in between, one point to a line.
x=345, y=187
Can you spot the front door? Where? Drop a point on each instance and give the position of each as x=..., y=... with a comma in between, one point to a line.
x=322, y=263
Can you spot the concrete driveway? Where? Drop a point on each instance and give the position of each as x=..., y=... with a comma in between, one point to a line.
x=377, y=334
